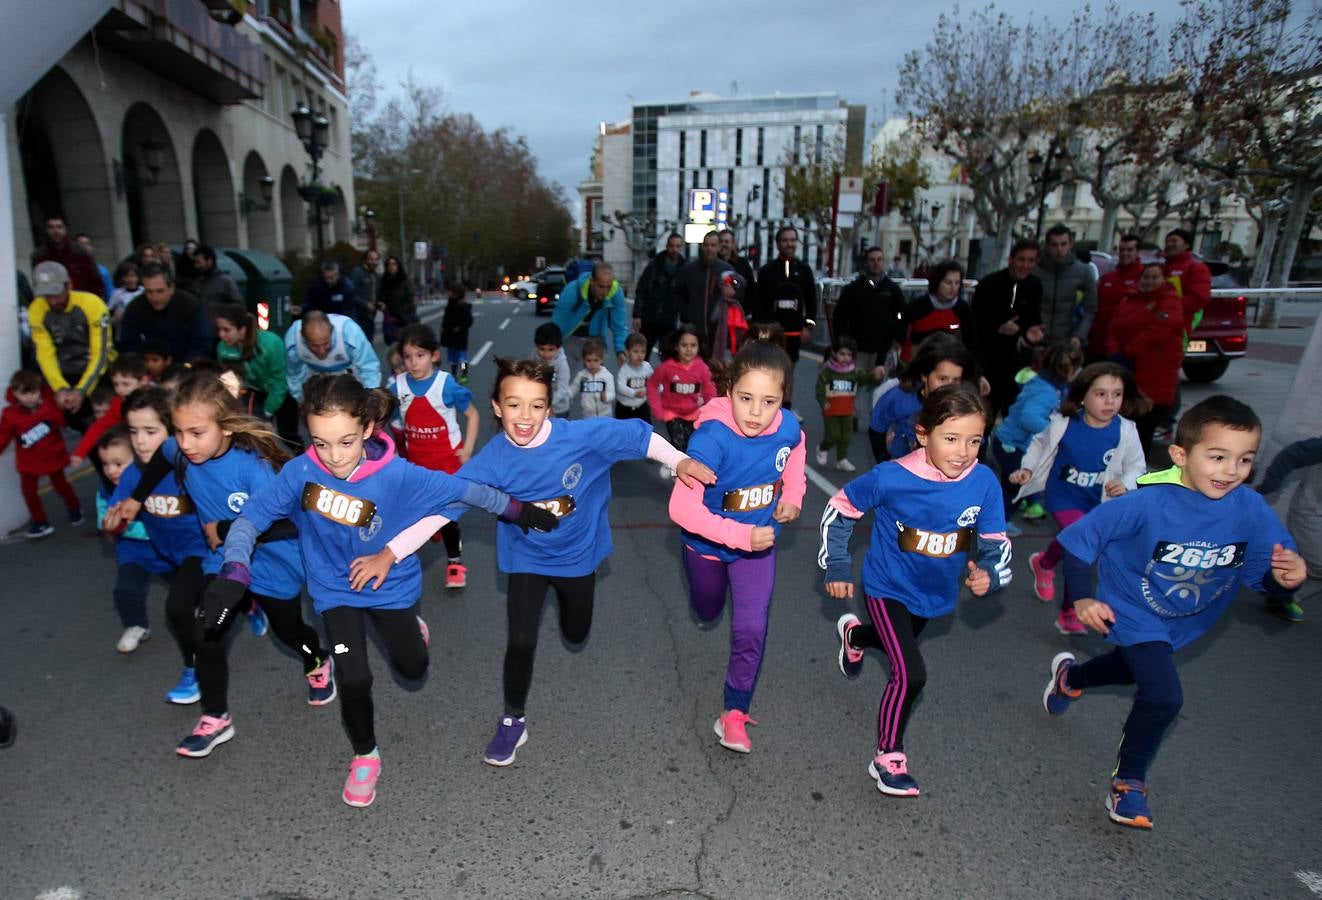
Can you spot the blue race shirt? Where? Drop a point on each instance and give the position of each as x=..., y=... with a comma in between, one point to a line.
x=219, y=488
x=1170, y=560
x=924, y=532
x=168, y=517
x=569, y=474
x=748, y=477
x=1076, y=475
x=453, y=394
x=132, y=546
x=894, y=416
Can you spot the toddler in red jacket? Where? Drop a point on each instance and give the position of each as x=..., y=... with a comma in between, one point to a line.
x=33, y=421
x=679, y=387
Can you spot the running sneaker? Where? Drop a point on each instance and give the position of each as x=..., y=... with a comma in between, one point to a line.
x=1032, y=511
x=1068, y=623
x=132, y=637
x=76, y=518
x=891, y=772
x=321, y=686
x=257, y=621
x=456, y=575
x=1058, y=696
x=511, y=734
x=1285, y=608
x=821, y=457
x=845, y=465
x=1127, y=803
x=360, y=786
x=1044, y=579
x=732, y=729
x=210, y=732
x=426, y=632
x=1013, y=530
x=40, y=530
x=851, y=659
x=186, y=691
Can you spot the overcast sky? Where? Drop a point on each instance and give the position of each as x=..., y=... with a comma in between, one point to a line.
x=554, y=71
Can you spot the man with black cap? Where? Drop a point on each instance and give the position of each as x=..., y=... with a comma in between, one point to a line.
x=71, y=336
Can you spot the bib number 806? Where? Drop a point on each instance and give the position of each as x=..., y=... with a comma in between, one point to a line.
x=339, y=506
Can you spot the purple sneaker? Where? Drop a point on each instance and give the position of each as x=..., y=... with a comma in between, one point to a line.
x=511, y=734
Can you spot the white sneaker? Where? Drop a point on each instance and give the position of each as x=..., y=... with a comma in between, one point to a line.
x=821, y=457
x=846, y=466
x=666, y=472
x=131, y=638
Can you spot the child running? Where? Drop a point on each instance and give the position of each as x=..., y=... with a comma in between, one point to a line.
x=168, y=521
x=1088, y=453
x=937, y=516
x=938, y=361
x=223, y=458
x=1170, y=559
x=347, y=495
x=33, y=421
x=126, y=374
x=548, y=341
x=593, y=384
x=567, y=466
x=430, y=403
x=455, y=324
x=729, y=529
x=680, y=386
x=631, y=380
x=837, y=386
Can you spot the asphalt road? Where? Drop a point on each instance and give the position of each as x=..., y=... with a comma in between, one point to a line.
x=621, y=790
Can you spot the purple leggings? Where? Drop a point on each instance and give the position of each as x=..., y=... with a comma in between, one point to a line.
x=749, y=582
x=1051, y=556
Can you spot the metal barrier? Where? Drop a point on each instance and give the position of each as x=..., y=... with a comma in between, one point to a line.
x=1254, y=296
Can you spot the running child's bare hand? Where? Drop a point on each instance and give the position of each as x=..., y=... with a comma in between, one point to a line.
x=465, y=452
x=785, y=512
x=979, y=581
x=1095, y=614
x=125, y=511
x=879, y=373
x=841, y=590
x=366, y=568
x=693, y=473
x=1116, y=488
x=763, y=537
x=212, y=532
x=1288, y=567
x=1020, y=476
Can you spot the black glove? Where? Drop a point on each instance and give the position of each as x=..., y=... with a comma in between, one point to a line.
x=220, y=603
x=530, y=516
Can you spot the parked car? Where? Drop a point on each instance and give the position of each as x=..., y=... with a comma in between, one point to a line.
x=549, y=284
x=523, y=288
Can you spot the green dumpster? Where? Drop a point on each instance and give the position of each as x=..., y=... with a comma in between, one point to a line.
x=267, y=288
x=226, y=266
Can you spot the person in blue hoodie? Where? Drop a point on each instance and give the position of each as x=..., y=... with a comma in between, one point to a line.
x=347, y=495
x=596, y=302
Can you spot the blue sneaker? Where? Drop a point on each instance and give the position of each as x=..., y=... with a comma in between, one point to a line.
x=257, y=621
x=1058, y=696
x=211, y=732
x=1013, y=530
x=39, y=530
x=850, y=658
x=186, y=691
x=511, y=734
x=891, y=772
x=1127, y=803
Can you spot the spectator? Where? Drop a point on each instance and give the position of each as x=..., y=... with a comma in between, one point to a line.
x=328, y=343
x=1069, y=288
x=165, y=259
x=71, y=336
x=127, y=289
x=595, y=300
x=331, y=293
x=896, y=269
x=396, y=300
x=698, y=289
x=775, y=306
x=1192, y=279
x=210, y=285
x=1113, y=287
x=654, y=305
x=187, y=268
x=728, y=253
x=77, y=261
x=82, y=239
x=166, y=314
x=145, y=256
x=1146, y=334
x=942, y=311
x=262, y=355
x=871, y=311
x=1007, y=322
x=366, y=278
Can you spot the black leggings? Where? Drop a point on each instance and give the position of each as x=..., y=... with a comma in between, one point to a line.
x=346, y=632
x=894, y=631
x=527, y=594
x=454, y=547
x=1149, y=422
x=181, y=606
x=286, y=621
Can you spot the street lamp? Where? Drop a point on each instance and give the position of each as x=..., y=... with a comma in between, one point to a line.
x=313, y=131
x=366, y=223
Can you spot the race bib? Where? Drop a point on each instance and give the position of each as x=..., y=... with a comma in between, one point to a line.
x=1071, y=475
x=840, y=386
x=168, y=506
x=1230, y=556
x=343, y=509
x=759, y=496
x=936, y=544
x=557, y=506
x=787, y=303
x=34, y=435
x=593, y=387
x=637, y=382
x=681, y=387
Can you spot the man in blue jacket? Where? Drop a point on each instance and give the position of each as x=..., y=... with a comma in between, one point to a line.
x=596, y=302
x=321, y=343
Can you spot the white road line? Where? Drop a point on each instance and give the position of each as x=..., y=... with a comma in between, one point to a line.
x=481, y=353
x=1310, y=880
x=818, y=479
x=811, y=355
x=503, y=324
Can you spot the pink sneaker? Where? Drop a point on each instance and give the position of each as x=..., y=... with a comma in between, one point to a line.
x=321, y=686
x=211, y=731
x=891, y=772
x=426, y=632
x=456, y=575
x=360, y=786
x=731, y=728
x=1068, y=623
x=1044, y=579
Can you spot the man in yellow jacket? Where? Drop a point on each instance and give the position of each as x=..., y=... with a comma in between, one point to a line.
x=71, y=334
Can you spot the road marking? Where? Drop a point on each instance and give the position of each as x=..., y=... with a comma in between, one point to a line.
x=811, y=355
x=1310, y=880
x=818, y=479
x=481, y=353
x=503, y=324
x=61, y=893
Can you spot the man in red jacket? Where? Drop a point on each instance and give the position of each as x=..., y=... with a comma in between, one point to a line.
x=83, y=274
x=1111, y=289
x=34, y=421
x=1192, y=279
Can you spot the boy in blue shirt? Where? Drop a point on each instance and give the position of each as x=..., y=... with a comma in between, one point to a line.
x=1170, y=559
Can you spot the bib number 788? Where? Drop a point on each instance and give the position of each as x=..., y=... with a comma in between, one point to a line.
x=934, y=543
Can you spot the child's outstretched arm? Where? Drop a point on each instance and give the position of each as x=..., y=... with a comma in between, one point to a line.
x=993, y=561
x=376, y=566
x=1307, y=452
x=838, y=521
x=689, y=470
x=688, y=512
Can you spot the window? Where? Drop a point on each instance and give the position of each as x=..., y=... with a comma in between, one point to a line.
x=702, y=148
x=817, y=147
x=695, y=177
x=798, y=142
x=766, y=189
x=1069, y=194
x=682, y=136
x=761, y=144
x=738, y=146
x=729, y=184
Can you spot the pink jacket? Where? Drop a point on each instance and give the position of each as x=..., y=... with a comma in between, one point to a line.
x=676, y=391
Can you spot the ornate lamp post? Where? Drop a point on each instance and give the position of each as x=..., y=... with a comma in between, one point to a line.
x=313, y=130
